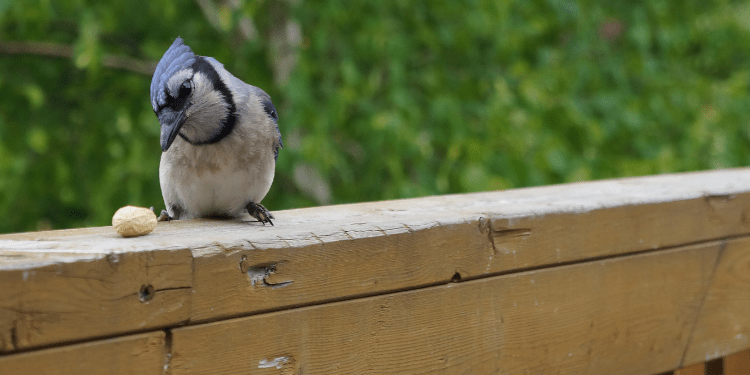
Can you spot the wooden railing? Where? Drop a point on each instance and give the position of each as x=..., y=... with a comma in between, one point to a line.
x=631, y=276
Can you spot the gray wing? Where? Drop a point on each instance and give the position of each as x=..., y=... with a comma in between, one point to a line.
x=270, y=109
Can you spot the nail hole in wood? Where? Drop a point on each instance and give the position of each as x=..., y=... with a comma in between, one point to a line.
x=147, y=293
x=456, y=277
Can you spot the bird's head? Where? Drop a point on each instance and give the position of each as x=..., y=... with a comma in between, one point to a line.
x=190, y=98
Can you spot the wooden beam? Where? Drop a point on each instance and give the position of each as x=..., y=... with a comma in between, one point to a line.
x=82, y=284
x=723, y=325
x=737, y=363
x=417, y=242
x=696, y=369
x=571, y=236
x=104, y=295
x=143, y=354
x=356, y=263
x=620, y=316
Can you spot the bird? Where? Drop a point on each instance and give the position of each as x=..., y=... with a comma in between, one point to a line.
x=219, y=138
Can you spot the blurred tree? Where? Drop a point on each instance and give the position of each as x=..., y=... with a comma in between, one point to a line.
x=377, y=100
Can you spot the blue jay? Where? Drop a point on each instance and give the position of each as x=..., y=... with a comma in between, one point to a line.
x=219, y=138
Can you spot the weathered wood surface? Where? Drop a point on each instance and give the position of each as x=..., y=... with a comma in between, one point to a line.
x=69, y=301
x=630, y=315
x=737, y=363
x=696, y=369
x=723, y=326
x=82, y=284
x=142, y=354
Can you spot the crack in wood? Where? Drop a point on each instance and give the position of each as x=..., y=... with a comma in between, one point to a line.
x=317, y=238
x=174, y=288
x=485, y=226
x=167, y=370
x=496, y=236
x=14, y=336
x=408, y=228
x=139, y=293
x=505, y=235
x=347, y=233
x=284, y=241
x=222, y=247
x=259, y=273
x=703, y=300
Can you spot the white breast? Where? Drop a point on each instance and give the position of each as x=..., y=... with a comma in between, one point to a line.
x=216, y=179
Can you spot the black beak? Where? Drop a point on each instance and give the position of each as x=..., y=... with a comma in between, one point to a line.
x=171, y=122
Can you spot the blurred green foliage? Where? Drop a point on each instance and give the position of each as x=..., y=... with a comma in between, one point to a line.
x=377, y=99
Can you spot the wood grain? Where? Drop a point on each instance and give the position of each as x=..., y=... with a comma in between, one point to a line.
x=264, y=279
x=142, y=354
x=70, y=301
x=570, y=236
x=723, y=325
x=411, y=243
x=696, y=369
x=621, y=316
x=65, y=285
x=737, y=363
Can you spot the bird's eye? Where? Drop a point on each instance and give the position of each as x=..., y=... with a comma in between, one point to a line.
x=185, y=89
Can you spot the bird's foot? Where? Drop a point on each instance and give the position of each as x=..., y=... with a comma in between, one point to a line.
x=260, y=213
x=164, y=216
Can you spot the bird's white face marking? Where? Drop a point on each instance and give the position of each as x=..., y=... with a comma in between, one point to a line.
x=206, y=112
x=175, y=82
x=206, y=107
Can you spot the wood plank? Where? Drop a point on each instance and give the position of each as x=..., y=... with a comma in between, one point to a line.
x=339, y=252
x=141, y=354
x=261, y=279
x=627, y=315
x=737, y=363
x=60, y=302
x=696, y=369
x=563, y=237
x=723, y=325
x=410, y=243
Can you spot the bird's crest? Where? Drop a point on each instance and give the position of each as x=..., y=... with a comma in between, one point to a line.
x=177, y=57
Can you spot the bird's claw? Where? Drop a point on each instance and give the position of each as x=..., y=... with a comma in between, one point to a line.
x=164, y=216
x=260, y=213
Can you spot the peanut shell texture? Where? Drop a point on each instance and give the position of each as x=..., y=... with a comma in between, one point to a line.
x=132, y=221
